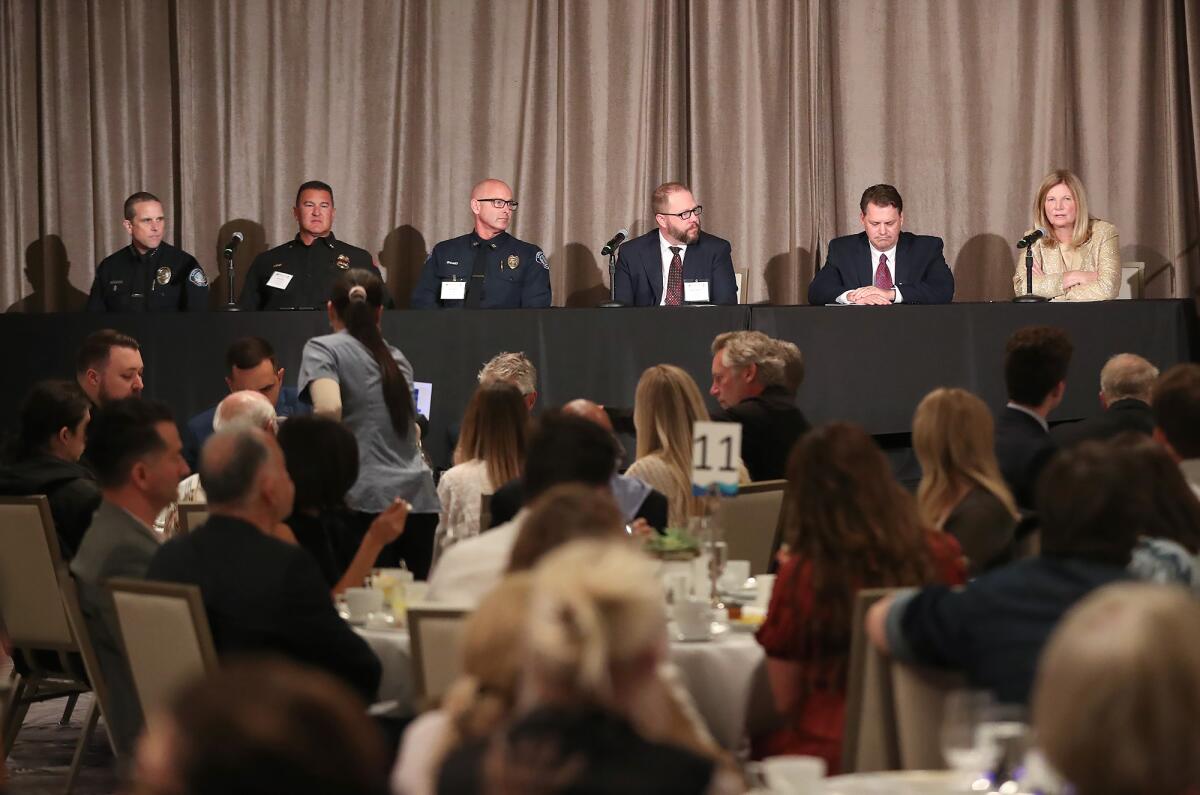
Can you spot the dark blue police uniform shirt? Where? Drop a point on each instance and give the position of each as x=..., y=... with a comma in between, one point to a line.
x=517, y=274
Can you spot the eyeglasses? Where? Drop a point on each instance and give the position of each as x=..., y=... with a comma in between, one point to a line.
x=686, y=214
x=499, y=203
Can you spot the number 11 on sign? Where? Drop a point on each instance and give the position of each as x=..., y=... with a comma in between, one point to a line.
x=716, y=453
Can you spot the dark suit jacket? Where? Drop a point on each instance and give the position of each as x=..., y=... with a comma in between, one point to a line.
x=1022, y=448
x=771, y=424
x=197, y=430
x=639, y=279
x=1129, y=414
x=265, y=596
x=922, y=275
x=508, y=499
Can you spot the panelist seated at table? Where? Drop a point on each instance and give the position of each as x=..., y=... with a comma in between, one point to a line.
x=300, y=273
x=883, y=265
x=676, y=263
x=487, y=268
x=1079, y=257
x=148, y=275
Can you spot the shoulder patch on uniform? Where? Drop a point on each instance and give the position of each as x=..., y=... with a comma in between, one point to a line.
x=198, y=278
x=541, y=260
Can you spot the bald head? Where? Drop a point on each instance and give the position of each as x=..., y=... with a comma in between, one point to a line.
x=242, y=470
x=491, y=220
x=245, y=408
x=1126, y=376
x=590, y=411
x=490, y=188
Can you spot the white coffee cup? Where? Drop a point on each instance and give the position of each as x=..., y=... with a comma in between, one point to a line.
x=736, y=574
x=764, y=584
x=794, y=775
x=360, y=602
x=693, y=618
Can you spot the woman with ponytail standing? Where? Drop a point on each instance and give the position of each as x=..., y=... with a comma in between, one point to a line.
x=355, y=376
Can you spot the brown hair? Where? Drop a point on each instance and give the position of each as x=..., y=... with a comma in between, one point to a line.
x=1176, y=405
x=1090, y=506
x=130, y=208
x=563, y=514
x=359, y=315
x=1035, y=361
x=495, y=430
x=1118, y=692
x=1083, y=222
x=1174, y=512
x=95, y=349
x=856, y=527
x=662, y=194
x=881, y=196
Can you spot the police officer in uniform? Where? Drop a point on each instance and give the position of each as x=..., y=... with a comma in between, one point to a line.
x=300, y=273
x=487, y=268
x=148, y=275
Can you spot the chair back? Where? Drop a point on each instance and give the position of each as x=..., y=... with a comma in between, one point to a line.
x=749, y=521
x=167, y=639
x=436, y=633
x=920, y=701
x=1133, y=276
x=740, y=276
x=192, y=515
x=31, y=607
x=869, y=741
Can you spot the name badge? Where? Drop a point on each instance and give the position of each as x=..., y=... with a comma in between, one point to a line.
x=279, y=280
x=454, y=291
x=695, y=292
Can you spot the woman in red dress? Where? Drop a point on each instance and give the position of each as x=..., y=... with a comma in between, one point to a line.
x=849, y=525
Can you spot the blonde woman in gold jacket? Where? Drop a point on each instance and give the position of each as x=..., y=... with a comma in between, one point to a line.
x=1079, y=257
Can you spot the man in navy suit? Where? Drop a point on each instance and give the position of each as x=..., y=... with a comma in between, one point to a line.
x=883, y=265
x=675, y=263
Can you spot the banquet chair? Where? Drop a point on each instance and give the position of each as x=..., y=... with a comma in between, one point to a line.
x=740, y=277
x=869, y=740
x=920, y=699
x=39, y=607
x=1133, y=275
x=485, y=512
x=167, y=639
x=436, y=633
x=749, y=521
x=192, y=515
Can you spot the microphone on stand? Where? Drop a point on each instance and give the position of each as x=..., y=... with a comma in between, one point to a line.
x=1031, y=238
x=232, y=245
x=611, y=245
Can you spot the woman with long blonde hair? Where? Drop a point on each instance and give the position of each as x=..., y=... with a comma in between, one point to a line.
x=490, y=452
x=1078, y=257
x=666, y=407
x=962, y=491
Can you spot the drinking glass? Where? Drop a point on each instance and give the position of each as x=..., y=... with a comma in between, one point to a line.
x=968, y=751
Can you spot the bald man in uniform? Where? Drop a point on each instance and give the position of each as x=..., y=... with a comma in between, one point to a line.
x=486, y=268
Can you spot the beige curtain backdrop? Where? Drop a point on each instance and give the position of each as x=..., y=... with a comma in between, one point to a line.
x=777, y=112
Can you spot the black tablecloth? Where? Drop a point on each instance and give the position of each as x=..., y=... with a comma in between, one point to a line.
x=869, y=365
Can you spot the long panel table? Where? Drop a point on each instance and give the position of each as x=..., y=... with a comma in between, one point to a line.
x=869, y=365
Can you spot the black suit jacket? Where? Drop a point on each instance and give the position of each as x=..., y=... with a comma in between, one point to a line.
x=508, y=499
x=771, y=424
x=1022, y=448
x=922, y=275
x=1129, y=414
x=639, y=278
x=263, y=595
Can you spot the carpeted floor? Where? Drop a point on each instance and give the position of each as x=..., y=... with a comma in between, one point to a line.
x=41, y=756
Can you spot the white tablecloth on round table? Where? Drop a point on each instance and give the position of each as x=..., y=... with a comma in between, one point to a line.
x=896, y=782
x=720, y=674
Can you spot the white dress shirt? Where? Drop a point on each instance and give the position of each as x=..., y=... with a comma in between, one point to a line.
x=667, y=255
x=1026, y=410
x=466, y=571
x=891, y=266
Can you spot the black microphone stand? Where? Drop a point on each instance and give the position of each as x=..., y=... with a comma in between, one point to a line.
x=1029, y=297
x=231, y=306
x=612, y=280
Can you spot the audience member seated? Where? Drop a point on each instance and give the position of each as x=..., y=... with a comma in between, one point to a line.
x=109, y=367
x=749, y=381
x=53, y=433
x=354, y=375
x=508, y=368
x=262, y=728
x=596, y=634
x=1125, y=384
x=1166, y=551
x=851, y=526
x=666, y=407
x=563, y=514
x=490, y=451
x=322, y=460
x=252, y=366
x=1035, y=375
x=562, y=449
x=243, y=408
x=1118, y=692
x=962, y=491
x=261, y=594
x=994, y=629
x=138, y=459
x=635, y=499
x=1176, y=406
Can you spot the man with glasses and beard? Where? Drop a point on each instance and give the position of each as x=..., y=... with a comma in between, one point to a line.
x=675, y=263
x=486, y=268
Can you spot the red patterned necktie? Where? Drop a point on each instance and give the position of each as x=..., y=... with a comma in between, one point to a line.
x=675, y=279
x=883, y=279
